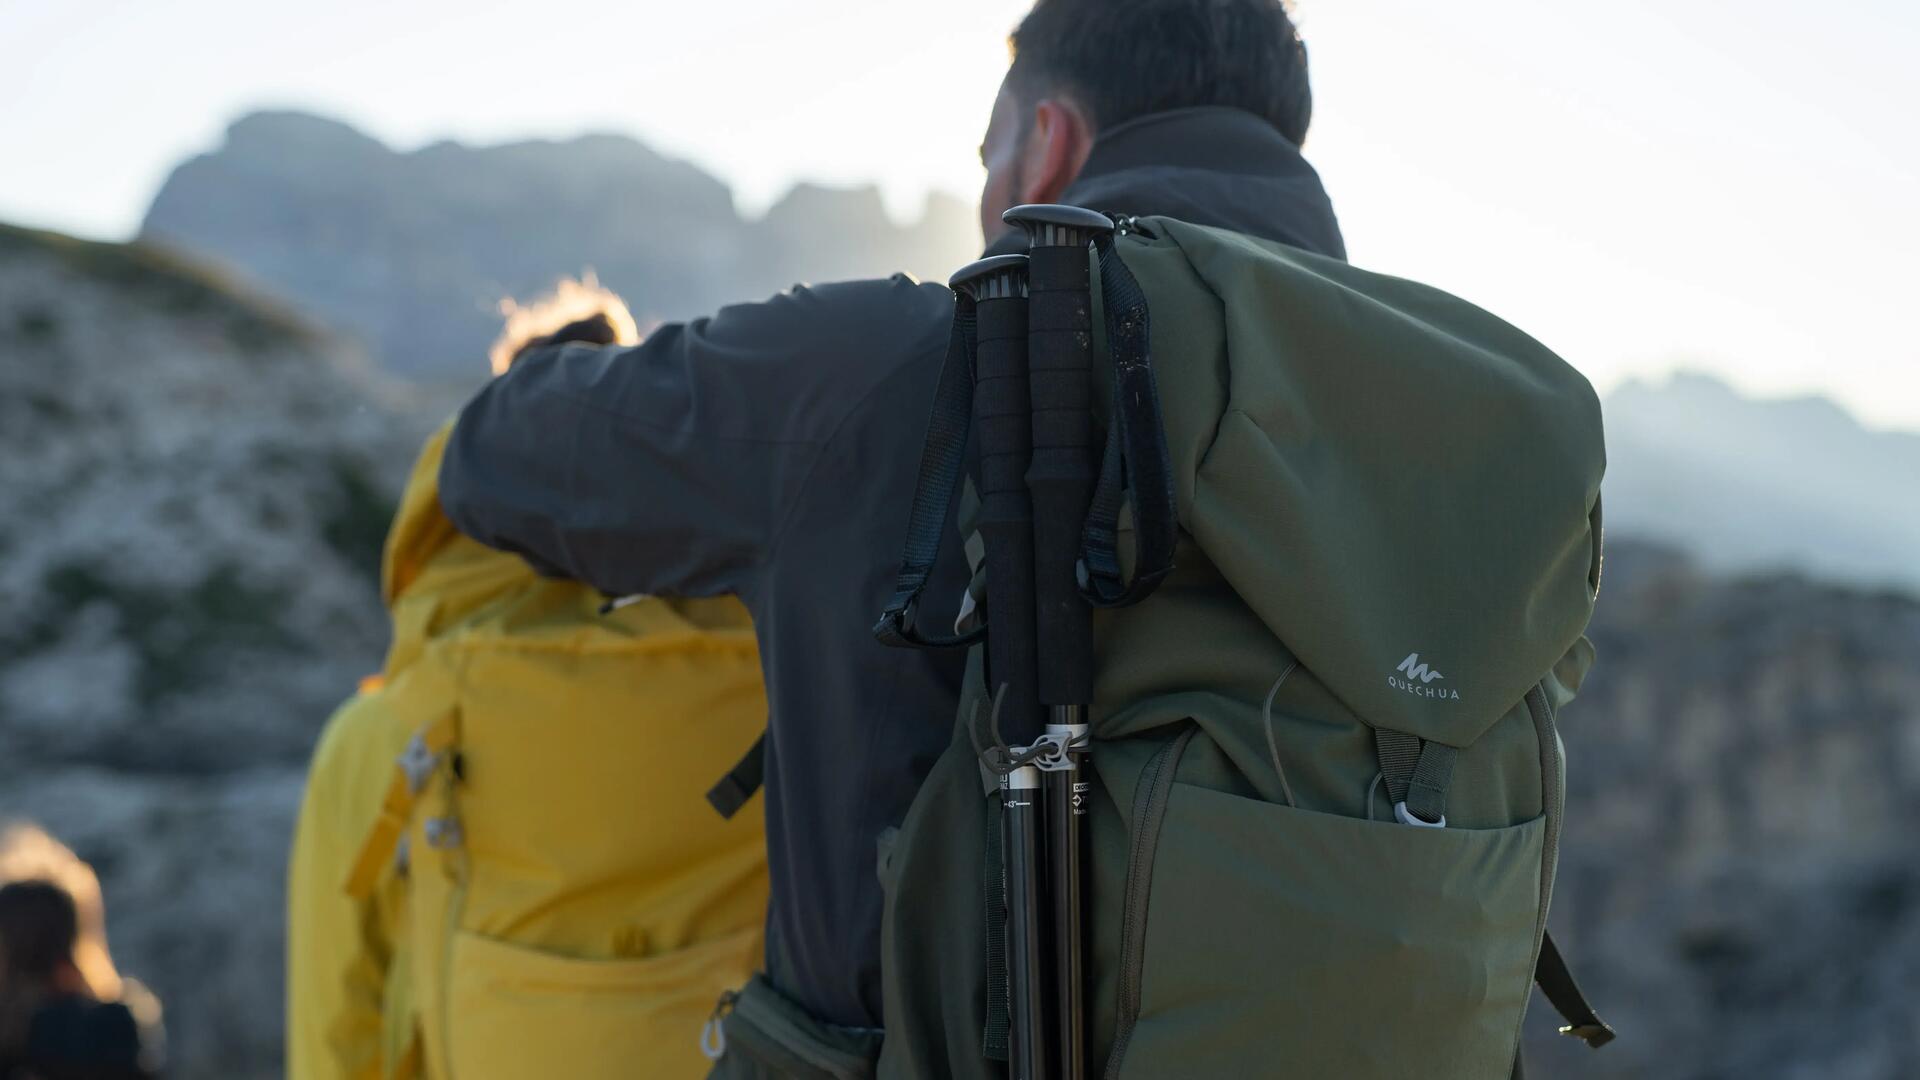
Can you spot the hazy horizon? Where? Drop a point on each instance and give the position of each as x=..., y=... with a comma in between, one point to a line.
x=1645, y=188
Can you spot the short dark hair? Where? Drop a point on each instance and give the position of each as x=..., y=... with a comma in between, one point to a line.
x=1119, y=59
x=39, y=925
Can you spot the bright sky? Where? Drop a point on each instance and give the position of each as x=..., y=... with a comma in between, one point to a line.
x=1727, y=185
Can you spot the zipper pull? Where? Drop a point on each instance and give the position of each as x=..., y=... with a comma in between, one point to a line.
x=713, y=1034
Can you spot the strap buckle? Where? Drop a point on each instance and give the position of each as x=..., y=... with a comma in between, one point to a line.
x=443, y=833
x=713, y=1033
x=1054, y=749
x=1595, y=1035
x=1407, y=817
x=418, y=762
x=1048, y=753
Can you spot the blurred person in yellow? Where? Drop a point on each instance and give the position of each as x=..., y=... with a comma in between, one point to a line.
x=65, y=1010
x=506, y=864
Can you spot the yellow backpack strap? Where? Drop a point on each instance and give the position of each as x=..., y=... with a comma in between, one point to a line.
x=411, y=771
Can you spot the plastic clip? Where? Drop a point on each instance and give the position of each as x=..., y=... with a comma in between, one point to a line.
x=1407, y=817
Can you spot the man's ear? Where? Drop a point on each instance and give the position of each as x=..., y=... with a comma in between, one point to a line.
x=1060, y=140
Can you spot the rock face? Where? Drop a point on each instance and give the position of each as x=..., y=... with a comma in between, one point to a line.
x=1739, y=883
x=193, y=491
x=411, y=252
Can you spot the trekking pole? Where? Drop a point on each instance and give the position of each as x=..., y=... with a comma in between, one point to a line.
x=1002, y=422
x=1061, y=478
x=1020, y=814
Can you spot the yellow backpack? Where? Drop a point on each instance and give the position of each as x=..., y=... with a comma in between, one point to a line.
x=572, y=904
x=347, y=974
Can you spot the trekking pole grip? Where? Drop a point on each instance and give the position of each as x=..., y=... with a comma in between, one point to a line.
x=1002, y=427
x=1061, y=476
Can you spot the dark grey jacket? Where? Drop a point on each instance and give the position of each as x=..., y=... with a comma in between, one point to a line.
x=771, y=451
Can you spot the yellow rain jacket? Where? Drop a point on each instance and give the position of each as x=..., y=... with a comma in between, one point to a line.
x=505, y=864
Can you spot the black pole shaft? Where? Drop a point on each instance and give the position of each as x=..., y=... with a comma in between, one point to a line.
x=1028, y=1055
x=1066, y=808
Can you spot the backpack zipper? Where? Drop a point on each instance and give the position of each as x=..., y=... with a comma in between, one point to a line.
x=1149, y=811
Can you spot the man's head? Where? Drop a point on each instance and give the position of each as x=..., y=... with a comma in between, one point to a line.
x=1082, y=66
x=39, y=927
x=576, y=310
x=29, y=854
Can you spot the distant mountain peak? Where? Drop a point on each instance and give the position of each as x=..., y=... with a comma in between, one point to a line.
x=1695, y=398
x=412, y=251
x=1690, y=384
x=283, y=131
x=810, y=199
x=1762, y=483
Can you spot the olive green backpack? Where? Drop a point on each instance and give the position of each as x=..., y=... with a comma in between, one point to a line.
x=1327, y=770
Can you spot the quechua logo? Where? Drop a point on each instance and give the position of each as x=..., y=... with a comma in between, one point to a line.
x=1417, y=678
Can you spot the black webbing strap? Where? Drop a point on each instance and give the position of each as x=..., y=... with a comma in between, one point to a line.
x=1416, y=772
x=741, y=781
x=1135, y=463
x=941, y=463
x=1556, y=982
x=994, y=1038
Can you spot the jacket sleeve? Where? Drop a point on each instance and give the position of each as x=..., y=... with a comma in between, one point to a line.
x=671, y=466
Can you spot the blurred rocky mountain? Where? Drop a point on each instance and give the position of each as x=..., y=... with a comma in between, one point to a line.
x=194, y=486
x=1750, y=484
x=1739, y=883
x=412, y=252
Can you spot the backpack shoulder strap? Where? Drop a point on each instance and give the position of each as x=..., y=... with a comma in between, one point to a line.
x=942, y=461
x=1135, y=463
x=429, y=746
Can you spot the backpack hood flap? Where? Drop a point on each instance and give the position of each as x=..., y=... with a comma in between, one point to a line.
x=419, y=527
x=430, y=575
x=1403, y=487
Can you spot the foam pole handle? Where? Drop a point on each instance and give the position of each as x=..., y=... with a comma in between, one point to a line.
x=1001, y=419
